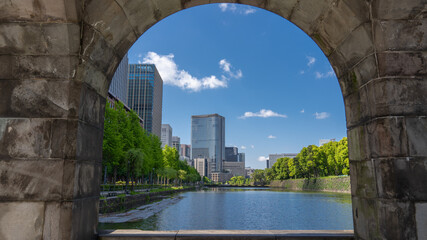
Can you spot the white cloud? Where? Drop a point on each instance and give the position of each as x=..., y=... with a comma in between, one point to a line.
x=243, y=147
x=302, y=72
x=330, y=73
x=321, y=115
x=140, y=55
x=252, y=146
x=262, y=159
x=245, y=10
x=302, y=111
x=227, y=68
x=311, y=61
x=263, y=113
x=174, y=76
x=271, y=137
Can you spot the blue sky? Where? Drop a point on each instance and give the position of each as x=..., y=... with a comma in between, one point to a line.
x=271, y=82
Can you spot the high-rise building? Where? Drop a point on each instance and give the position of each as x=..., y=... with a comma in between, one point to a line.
x=166, y=136
x=185, y=150
x=145, y=93
x=231, y=154
x=119, y=84
x=202, y=166
x=241, y=157
x=176, y=143
x=208, y=139
x=272, y=158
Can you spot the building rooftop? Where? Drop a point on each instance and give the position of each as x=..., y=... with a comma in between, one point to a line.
x=206, y=115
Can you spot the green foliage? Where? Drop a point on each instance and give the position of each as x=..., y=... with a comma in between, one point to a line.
x=237, y=180
x=331, y=159
x=126, y=141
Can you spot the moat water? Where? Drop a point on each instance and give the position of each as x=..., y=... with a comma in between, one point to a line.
x=250, y=208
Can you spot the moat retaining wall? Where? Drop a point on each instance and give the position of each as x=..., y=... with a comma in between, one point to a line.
x=328, y=184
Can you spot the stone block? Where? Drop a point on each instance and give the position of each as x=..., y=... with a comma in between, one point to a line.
x=52, y=67
x=39, y=39
x=402, y=63
x=194, y=3
x=396, y=219
x=39, y=11
x=7, y=66
x=90, y=75
x=342, y=19
x=25, y=138
x=392, y=9
x=84, y=222
x=89, y=143
x=358, y=148
x=416, y=129
x=57, y=222
x=363, y=180
x=307, y=13
x=397, y=96
x=400, y=35
x=357, y=109
x=421, y=220
x=98, y=52
x=21, y=220
x=402, y=178
x=31, y=180
x=92, y=107
x=282, y=8
x=81, y=179
x=337, y=60
x=356, y=77
x=387, y=137
x=224, y=234
x=124, y=234
x=110, y=20
x=365, y=218
x=357, y=46
x=141, y=14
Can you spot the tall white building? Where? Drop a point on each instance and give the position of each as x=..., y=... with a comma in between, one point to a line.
x=176, y=143
x=324, y=141
x=202, y=166
x=166, y=135
x=272, y=158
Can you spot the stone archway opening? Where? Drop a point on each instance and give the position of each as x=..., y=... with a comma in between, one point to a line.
x=57, y=60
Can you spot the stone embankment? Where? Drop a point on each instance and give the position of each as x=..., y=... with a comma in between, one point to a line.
x=123, y=203
x=326, y=184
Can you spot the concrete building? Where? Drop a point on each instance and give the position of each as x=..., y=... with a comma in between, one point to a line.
x=324, y=141
x=208, y=139
x=176, y=143
x=145, y=93
x=235, y=168
x=166, y=136
x=185, y=150
x=241, y=157
x=202, y=166
x=249, y=171
x=231, y=154
x=119, y=83
x=272, y=158
x=220, y=176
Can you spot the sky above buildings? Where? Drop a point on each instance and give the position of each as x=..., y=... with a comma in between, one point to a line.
x=271, y=82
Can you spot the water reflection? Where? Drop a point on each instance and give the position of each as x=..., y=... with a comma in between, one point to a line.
x=251, y=208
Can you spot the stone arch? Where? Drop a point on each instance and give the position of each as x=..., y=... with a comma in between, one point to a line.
x=57, y=58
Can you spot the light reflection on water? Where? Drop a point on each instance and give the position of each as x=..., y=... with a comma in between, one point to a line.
x=251, y=208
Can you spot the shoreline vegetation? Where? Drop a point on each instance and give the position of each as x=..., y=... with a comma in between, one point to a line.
x=340, y=184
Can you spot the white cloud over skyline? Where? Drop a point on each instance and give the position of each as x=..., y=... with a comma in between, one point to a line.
x=243, y=147
x=174, y=76
x=245, y=10
x=320, y=75
x=262, y=158
x=311, y=61
x=263, y=113
x=271, y=137
x=322, y=115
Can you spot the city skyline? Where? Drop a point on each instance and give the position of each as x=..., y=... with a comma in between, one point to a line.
x=270, y=81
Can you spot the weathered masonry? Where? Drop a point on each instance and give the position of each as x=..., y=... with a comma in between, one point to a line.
x=57, y=58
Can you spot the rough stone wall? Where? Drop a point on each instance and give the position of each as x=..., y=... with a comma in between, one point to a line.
x=57, y=58
x=329, y=184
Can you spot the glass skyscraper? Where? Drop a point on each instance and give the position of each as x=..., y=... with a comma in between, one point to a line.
x=119, y=84
x=208, y=139
x=145, y=95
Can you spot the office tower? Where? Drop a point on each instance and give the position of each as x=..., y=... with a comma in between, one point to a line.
x=166, y=136
x=208, y=139
x=176, y=143
x=185, y=150
x=145, y=95
x=231, y=154
x=119, y=84
x=202, y=166
x=242, y=157
x=272, y=158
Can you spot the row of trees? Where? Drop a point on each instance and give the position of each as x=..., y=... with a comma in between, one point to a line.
x=313, y=161
x=128, y=150
x=331, y=159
